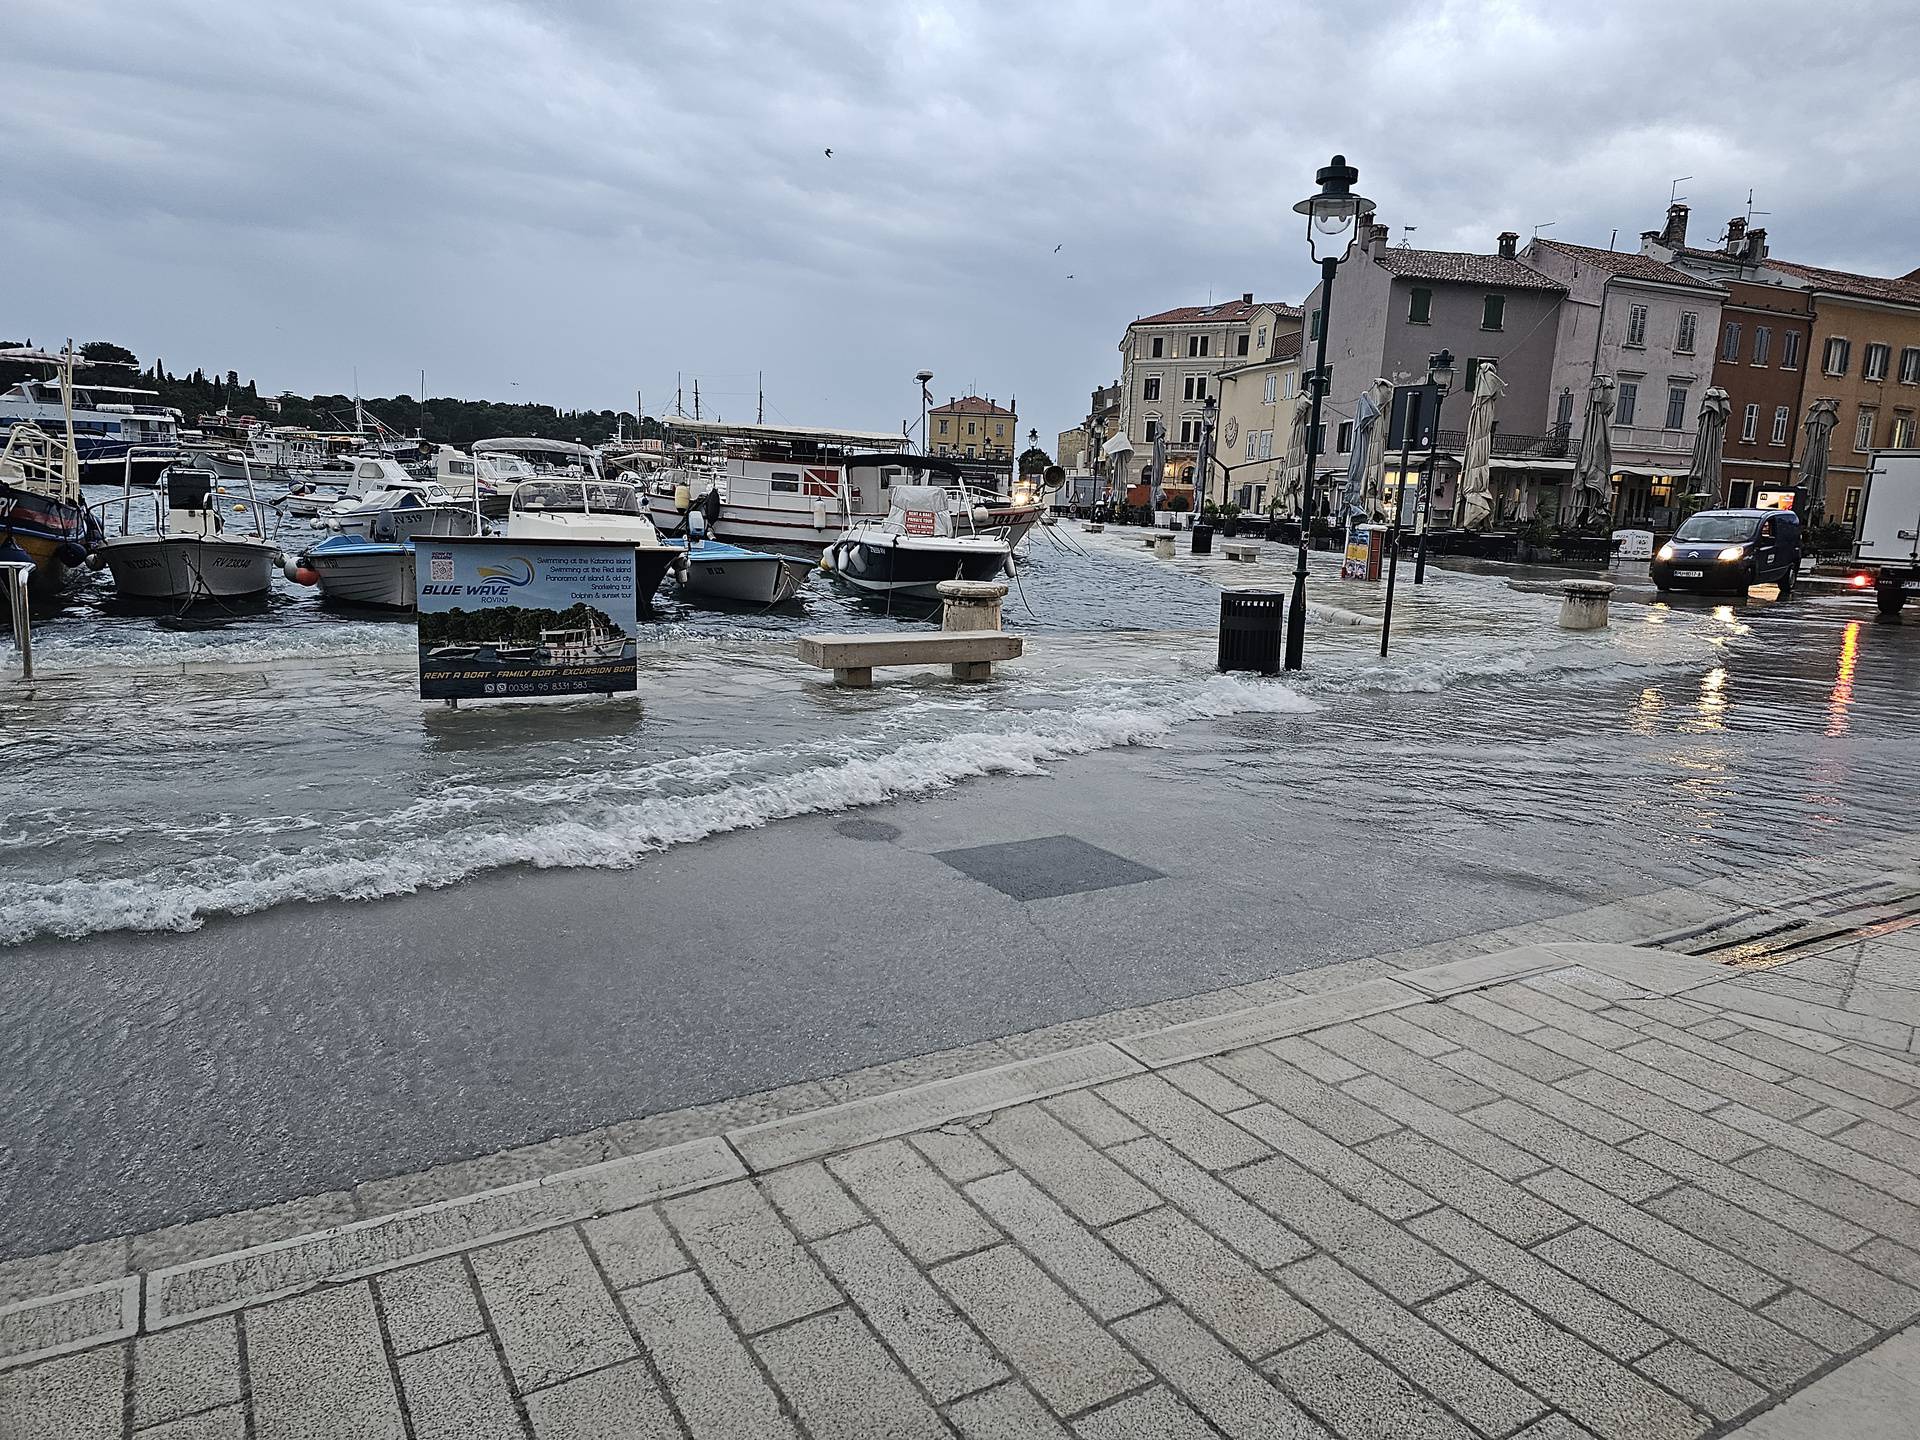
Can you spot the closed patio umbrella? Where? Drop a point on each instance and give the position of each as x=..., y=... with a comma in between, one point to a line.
x=1821, y=416
x=1592, y=495
x=1364, y=465
x=1476, y=467
x=1293, y=473
x=1709, y=444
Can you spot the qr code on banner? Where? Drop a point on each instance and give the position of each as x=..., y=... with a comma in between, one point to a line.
x=441, y=569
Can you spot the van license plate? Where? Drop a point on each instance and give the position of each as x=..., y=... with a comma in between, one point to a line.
x=1689, y=574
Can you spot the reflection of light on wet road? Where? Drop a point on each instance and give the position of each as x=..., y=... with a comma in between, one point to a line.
x=1841, y=696
x=1713, y=700
x=1644, y=716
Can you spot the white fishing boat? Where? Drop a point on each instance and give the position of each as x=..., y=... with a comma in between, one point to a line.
x=716, y=570
x=780, y=483
x=914, y=547
x=194, y=551
x=367, y=475
x=402, y=506
x=495, y=474
x=575, y=509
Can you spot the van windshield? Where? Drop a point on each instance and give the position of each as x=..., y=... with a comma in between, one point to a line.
x=1722, y=528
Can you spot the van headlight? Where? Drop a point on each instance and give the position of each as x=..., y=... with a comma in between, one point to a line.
x=1734, y=552
x=1665, y=553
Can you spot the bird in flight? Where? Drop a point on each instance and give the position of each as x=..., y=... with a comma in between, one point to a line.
x=1069, y=277
x=829, y=152
x=1056, y=249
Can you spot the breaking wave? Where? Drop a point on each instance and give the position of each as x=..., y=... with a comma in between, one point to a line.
x=425, y=846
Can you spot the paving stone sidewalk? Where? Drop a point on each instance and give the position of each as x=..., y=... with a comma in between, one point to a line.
x=1559, y=1186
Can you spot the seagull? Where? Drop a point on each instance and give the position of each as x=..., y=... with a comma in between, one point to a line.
x=1070, y=277
x=829, y=152
x=1056, y=249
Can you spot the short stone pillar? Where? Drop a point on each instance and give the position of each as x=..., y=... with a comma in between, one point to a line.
x=970, y=604
x=1163, y=546
x=1583, y=604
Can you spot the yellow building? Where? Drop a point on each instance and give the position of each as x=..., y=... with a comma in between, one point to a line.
x=970, y=428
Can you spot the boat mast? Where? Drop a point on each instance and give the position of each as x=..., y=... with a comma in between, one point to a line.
x=70, y=465
x=760, y=410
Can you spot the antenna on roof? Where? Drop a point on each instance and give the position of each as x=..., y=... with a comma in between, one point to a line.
x=1751, y=212
x=1406, y=236
x=1613, y=239
x=1543, y=225
x=1674, y=197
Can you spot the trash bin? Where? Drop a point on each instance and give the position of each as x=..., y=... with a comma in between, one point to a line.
x=1250, y=630
x=1202, y=538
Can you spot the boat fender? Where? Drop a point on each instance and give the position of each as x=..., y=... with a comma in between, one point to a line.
x=96, y=561
x=72, y=554
x=981, y=515
x=682, y=498
x=820, y=514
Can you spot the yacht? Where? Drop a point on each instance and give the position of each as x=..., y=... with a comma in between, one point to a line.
x=575, y=509
x=190, y=553
x=503, y=464
x=494, y=474
x=42, y=509
x=915, y=546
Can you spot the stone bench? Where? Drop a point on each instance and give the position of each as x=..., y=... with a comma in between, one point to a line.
x=854, y=658
x=1243, y=553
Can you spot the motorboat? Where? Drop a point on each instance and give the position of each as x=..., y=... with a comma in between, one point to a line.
x=298, y=459
x=190, y=554
x=369, y=560
x=324, y=492
x=505, y=463
x=915, y=547
x=716, y=570
x=401, y=507
x=593, y=509
x=42, y=509
x=494, y=474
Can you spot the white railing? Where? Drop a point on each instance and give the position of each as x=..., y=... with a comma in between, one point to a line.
x=1645, y=437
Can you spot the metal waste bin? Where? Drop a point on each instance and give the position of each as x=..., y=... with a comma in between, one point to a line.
x=1250, y=630
x=1202, y=538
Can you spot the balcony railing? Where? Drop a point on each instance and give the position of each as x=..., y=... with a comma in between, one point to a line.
x=1556, y=444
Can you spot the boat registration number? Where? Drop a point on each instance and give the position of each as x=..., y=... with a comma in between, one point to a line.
x=1689, y=574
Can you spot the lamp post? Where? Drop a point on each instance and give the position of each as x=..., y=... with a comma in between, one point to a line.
x=1333, y=218
x=1439, y=382
x=925, y=377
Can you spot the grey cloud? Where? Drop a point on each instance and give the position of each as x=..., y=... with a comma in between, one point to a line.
x=587, y=197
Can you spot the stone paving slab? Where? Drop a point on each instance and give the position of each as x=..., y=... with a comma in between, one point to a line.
x=1554, y=1187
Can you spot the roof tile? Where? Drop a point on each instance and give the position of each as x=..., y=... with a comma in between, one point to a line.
x=1629, y=264
x=1460, y=268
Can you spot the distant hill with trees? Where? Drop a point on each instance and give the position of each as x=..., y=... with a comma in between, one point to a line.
x=442, y=419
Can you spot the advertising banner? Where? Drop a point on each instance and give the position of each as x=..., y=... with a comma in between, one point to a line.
x=500, y=618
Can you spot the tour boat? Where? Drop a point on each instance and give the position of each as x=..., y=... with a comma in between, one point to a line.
x=190, y=554
x=593, y=509
x=914, y=547
x=112, y=430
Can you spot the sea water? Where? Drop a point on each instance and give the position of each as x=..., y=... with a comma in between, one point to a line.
x=171, y=769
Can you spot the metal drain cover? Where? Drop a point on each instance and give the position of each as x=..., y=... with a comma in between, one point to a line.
x=1053, y=865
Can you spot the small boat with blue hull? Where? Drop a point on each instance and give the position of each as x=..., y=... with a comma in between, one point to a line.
x=370, y=560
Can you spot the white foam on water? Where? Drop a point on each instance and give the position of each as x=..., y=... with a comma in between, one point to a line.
x=363, y=862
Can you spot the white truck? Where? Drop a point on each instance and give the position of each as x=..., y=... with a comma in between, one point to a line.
x=1886, y=536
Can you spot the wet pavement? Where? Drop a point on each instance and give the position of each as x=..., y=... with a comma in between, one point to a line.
x=597, y=912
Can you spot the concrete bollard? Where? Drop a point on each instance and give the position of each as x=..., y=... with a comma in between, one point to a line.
x=970, y=604
x=1583, y=604
x=1163, y=546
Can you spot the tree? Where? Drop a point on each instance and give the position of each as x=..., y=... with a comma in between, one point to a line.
x=105, y=352
x=1034, y=461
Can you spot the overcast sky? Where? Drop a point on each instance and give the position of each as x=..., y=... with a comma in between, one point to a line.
x=570, y=200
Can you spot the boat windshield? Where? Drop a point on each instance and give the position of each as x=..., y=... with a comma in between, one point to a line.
x=1709, y=529
x=550, y=496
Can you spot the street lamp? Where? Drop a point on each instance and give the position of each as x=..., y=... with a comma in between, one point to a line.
x=1333, y=219
x=924, y=377
x=1439, y=382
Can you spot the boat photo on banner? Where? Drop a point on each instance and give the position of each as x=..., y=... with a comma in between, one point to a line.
x=501, y=618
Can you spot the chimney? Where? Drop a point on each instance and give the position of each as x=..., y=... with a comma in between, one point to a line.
x=1509, y=242
x=1757, y=244
x=1246, y=297
x=1675, y=235
x=1737, y=237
